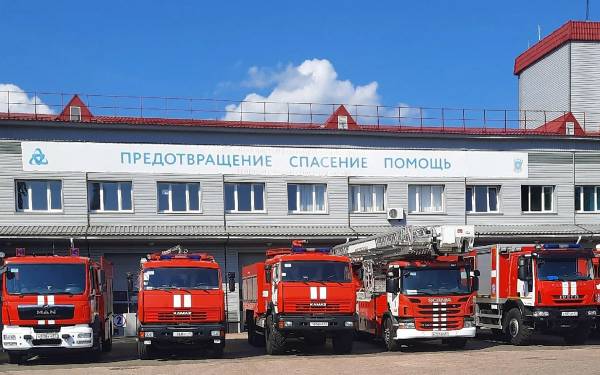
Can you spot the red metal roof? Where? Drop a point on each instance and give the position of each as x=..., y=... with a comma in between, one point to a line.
x=569, y=32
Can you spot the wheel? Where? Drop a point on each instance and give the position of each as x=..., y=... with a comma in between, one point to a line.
x=456, y=342
x=579, y=335
x=275, y=340
x=391, y=344
x=144, y=351
x=518, y=333
x=342, y=342
x=315, y=340
x=15, y=358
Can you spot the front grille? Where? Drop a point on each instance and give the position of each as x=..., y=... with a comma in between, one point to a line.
x=46, y=342
x=318, y=307
x=440, y=317
x=46, y=329
x=560, y=300
x=197, y=316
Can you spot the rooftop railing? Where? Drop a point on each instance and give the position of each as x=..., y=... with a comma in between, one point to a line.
x=106, y=108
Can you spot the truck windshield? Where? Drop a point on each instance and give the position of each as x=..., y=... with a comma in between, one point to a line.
x=565, y=269
x=435, y=281
x=315, y=271
x=45, y=278
x=181, y=278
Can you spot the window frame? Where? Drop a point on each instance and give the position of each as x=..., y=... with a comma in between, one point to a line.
x=119, y=197
x=542, y=211
x=30, y=210
x=418, y=197
x=473, y=199
x=374, y=201
x=252, y=202
x=314, y=198
x=580, y=197
x=187, y=198
x=75, y=116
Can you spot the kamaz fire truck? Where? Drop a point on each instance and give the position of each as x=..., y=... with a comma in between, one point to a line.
x=416, y=284
x=181, y=303
x=536, y=287
x=54, y=303
x=299, y=292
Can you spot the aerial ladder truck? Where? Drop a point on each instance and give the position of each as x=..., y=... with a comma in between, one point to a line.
x=417, y=284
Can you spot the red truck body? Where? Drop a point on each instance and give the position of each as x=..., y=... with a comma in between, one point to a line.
x=56, y=302
x=180, y=302
x=299, y=293
x=409, y=312
x=525, y=288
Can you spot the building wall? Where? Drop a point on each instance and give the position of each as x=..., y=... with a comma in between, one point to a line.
x=545, y=86
x=585, y=83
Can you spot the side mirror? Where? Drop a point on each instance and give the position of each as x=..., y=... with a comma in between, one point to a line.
x=476, y=283
x=102, y=281
x=523, y=271
x=268, y=274
x=392, y=282
x=129, y=282
x=476, y=273
x=231, y=281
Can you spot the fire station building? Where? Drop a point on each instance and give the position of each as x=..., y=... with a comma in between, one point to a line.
x=126, y=184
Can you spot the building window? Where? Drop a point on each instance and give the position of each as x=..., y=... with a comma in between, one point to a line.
x=39, y=195
x=537, y=198
x=307, y=198
x=109, y=196
x=75, y=112
x=367, y=198
x=426, y=198
x=178, y=197
x=587, y=198
x=244, y=197
x=482, y=199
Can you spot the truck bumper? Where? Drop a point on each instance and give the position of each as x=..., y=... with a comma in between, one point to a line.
x=26, y=338
x=563, y=317
x=211, y=333
x=411, y=333
x=312, y=323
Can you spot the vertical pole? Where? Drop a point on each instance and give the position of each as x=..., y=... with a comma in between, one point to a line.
x=443, y=119
x=8, y=102
x=377, y=113
x=35, y=104
x=264, y=111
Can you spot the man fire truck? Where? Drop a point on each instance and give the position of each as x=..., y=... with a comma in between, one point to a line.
x=525, y=288
x=416, y=284
x=55, y=302
x=181, y=303
x=299, y=293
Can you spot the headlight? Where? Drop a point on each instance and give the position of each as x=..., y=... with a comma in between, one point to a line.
x=469, y=323
x=288, y=323
x=540, y=314
x=592, y=312
x=9, y=337
x=349, y=324
x=84, y=335
x=215, y=333
x=406, y=324
x=149, y=334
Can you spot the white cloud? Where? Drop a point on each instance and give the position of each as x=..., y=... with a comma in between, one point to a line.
x=20, y=101
x=313, y=81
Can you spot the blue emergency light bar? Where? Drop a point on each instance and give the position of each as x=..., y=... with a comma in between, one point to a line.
x=554, y=246
x=324, y=250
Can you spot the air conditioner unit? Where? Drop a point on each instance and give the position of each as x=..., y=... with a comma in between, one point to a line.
x=395, y=213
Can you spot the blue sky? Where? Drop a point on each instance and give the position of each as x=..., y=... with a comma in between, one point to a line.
x=429, y=53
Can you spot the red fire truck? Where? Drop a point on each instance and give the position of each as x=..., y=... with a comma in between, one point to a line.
x=413, y=286
x=299, y=293
x=55, y=302
x=181, y=303
x=527, y=288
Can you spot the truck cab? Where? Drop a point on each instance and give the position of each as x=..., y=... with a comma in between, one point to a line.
x=53, y=303
x=300, y=293
x=180, y=303
x=546, y=287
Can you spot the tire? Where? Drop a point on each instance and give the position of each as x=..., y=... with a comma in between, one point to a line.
x=516, y=331
x=342, y=342
x=275, y=340
x=456, y=342
x=15, y=358
x=391, y=345
x=579, y=335
x=144, y=351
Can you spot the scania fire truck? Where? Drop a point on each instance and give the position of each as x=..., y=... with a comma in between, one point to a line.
x=416, y=284
x=299, y=292
x=181, y=303
x=54, y=303
x=536, y=287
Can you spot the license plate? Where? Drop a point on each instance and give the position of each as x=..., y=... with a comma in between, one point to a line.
x=319, y=324
x=183, y=334
x=440, y=333
x=47, y=336
x=569, y=313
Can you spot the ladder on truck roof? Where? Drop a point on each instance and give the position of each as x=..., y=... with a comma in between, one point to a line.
x=410, y=242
